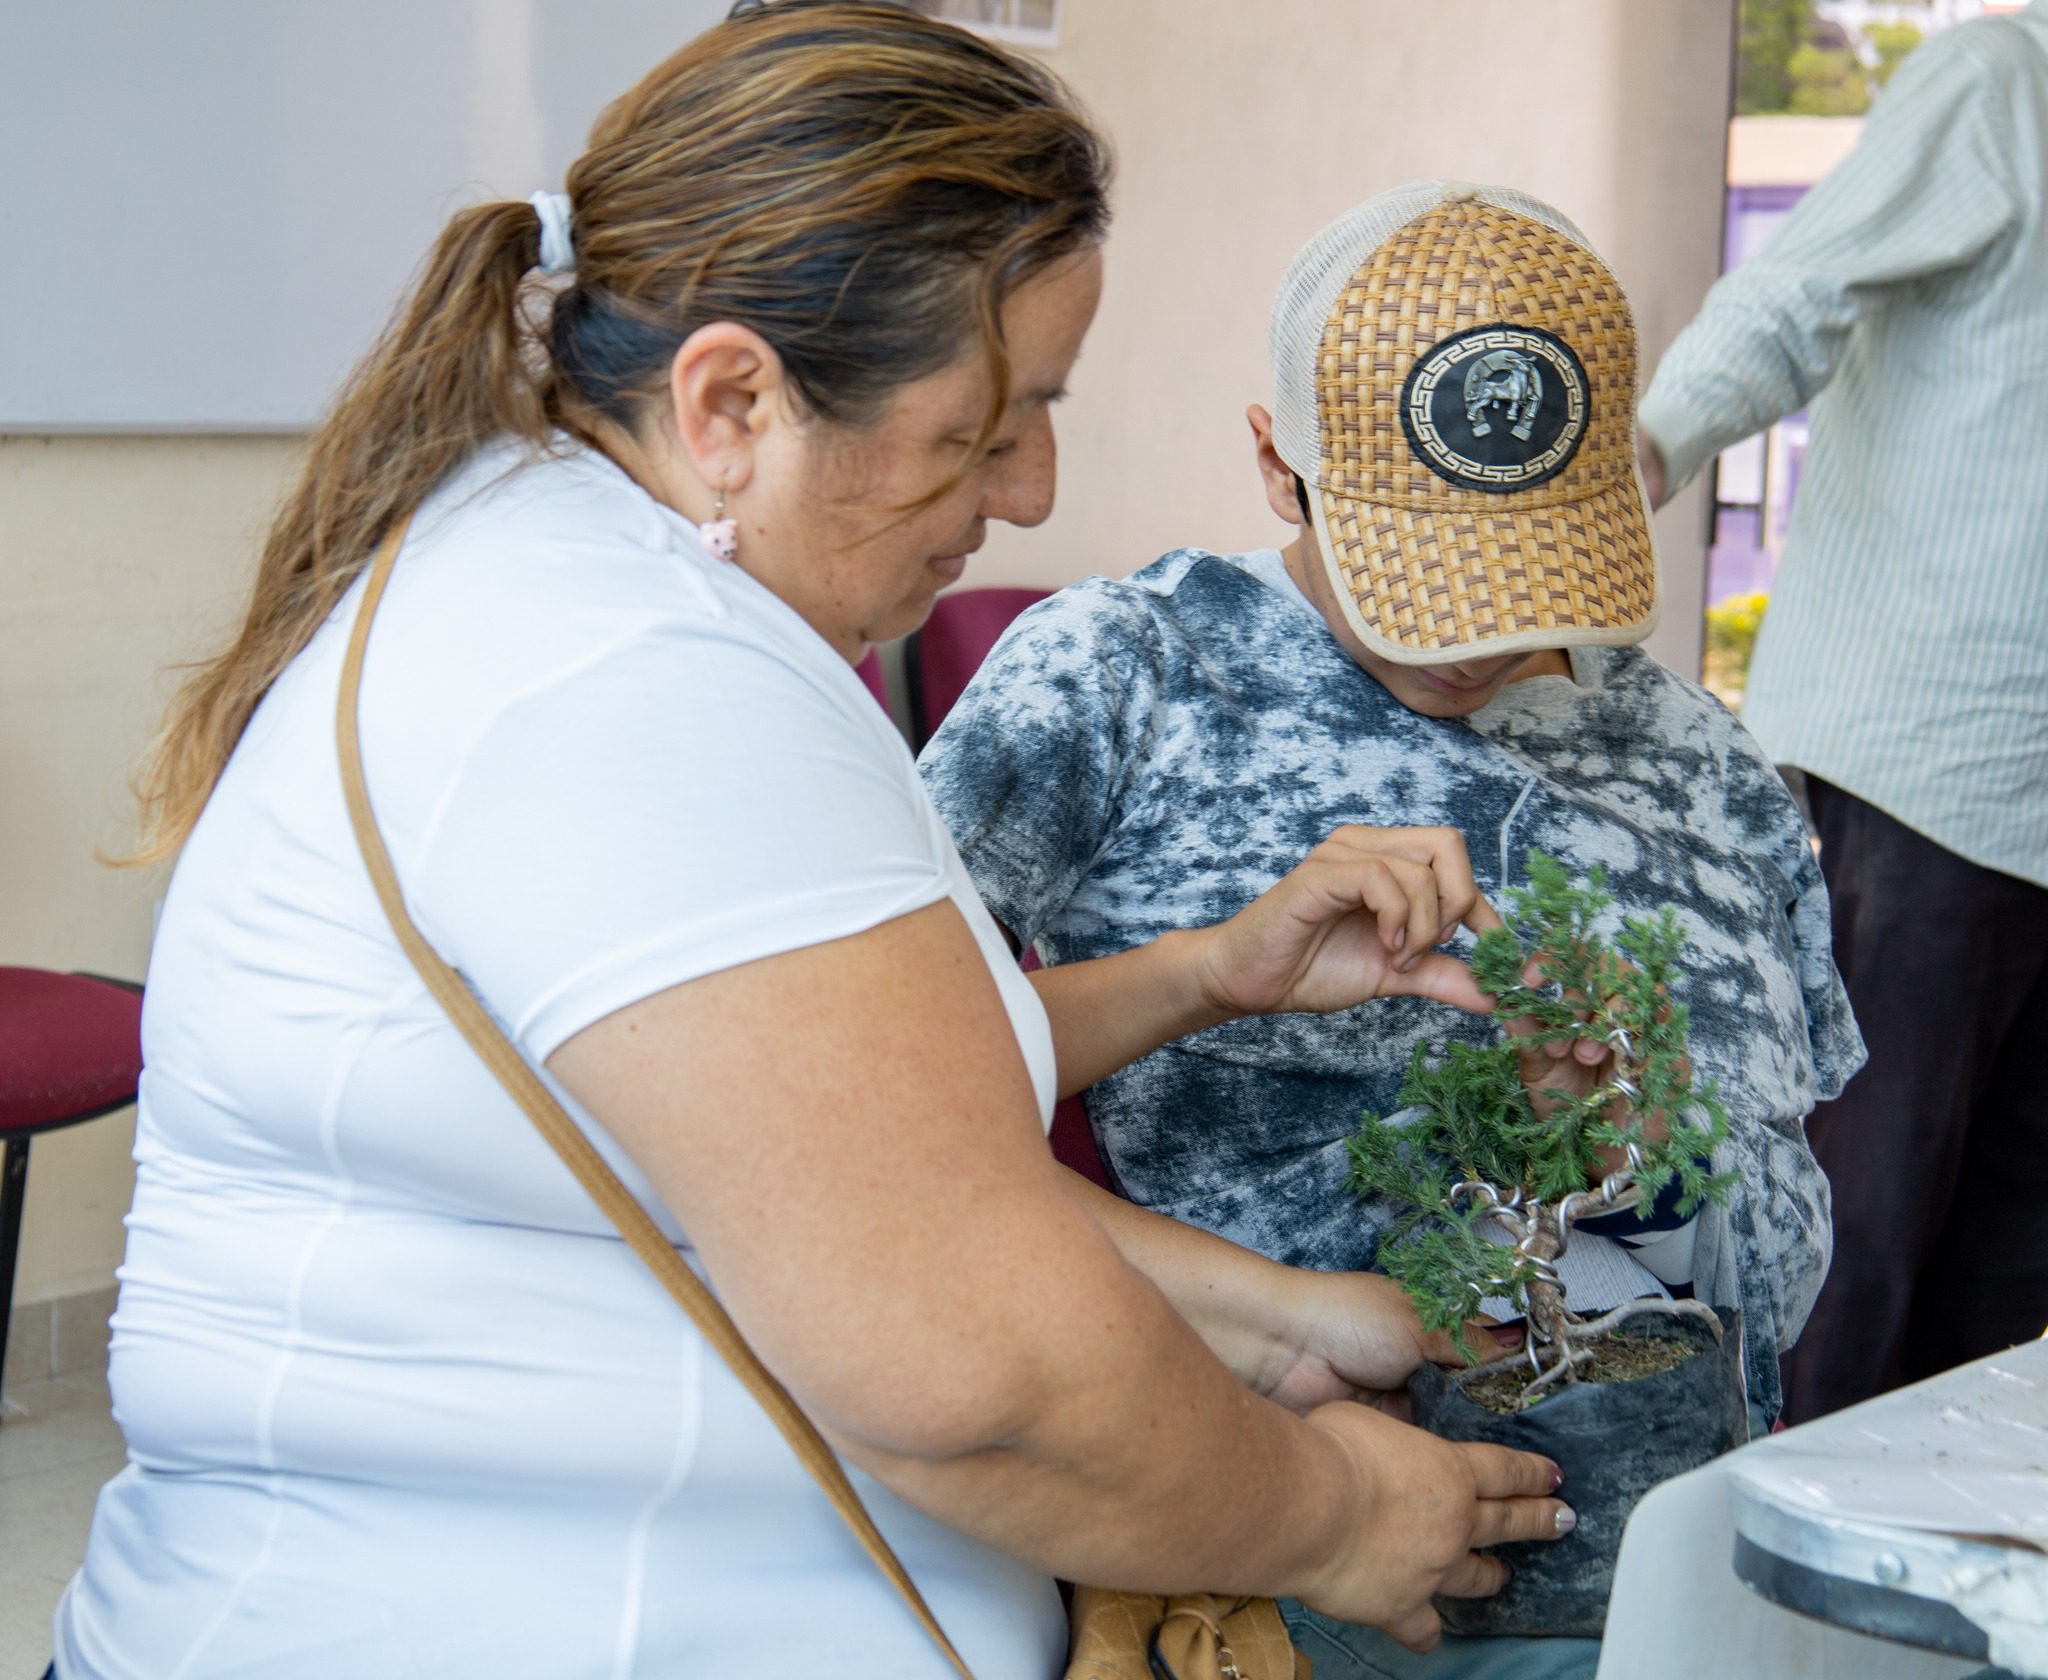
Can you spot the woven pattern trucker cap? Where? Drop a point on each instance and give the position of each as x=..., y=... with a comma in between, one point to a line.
x=1455, y=381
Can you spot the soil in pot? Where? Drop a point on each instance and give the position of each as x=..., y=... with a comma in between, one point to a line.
x=1614, y=1441
x=1628, y=1357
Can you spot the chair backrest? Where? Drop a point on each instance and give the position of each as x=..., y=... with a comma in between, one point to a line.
x=70, y=1048
x=870, y=670
x=1073, y=1142
x=1072, y=1137
x=941, y=659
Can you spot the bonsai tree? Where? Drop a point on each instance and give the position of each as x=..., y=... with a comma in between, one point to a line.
x=1482, y=1148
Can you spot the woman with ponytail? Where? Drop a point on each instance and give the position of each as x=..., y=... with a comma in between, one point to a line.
x=657, y=460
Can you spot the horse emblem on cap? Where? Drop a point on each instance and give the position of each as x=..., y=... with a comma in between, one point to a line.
x=1507, y=377
x=1498, y=407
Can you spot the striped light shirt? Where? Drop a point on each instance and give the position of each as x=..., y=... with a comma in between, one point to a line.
x=1905, y=654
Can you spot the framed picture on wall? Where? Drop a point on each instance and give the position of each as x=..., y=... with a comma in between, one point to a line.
x=1030, y=23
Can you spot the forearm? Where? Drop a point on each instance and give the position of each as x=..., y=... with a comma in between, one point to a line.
x=902, y=1252
x=1141, y=1462
x=1758, y=351
x=1109, y=1012
x=1240, y=1303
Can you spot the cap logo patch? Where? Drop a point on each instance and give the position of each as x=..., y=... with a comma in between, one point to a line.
x=1496, y=408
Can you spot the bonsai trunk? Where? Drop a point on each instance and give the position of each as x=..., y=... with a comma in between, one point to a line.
x=1547, y=1313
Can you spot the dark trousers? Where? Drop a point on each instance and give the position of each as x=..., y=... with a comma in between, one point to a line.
x=1938, y=1150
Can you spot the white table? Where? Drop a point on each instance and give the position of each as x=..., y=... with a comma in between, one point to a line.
x=1922, y=1513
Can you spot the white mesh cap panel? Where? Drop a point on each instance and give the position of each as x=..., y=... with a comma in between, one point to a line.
x=1317, y=278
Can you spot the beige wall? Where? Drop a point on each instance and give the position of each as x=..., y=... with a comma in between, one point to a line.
x=1241, y=128
x=116, y=556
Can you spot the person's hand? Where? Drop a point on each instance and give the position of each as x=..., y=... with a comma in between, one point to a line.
x=1356, y=920
x=1572, y=1067
x=1577, y=1068
x=1424, y=1507
x=1652, y=463
x=1356, y=1336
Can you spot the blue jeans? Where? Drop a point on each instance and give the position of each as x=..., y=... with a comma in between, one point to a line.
x=1345, y=1651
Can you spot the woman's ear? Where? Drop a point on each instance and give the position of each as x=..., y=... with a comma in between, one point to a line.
x=1274, y=473
x=726, y=389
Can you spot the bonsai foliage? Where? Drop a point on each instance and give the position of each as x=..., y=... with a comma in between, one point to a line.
x=1481, y=1150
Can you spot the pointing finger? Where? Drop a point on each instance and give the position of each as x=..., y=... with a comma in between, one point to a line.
x=1482, y=917
x=1502, y=1473
x=1501, y=1520
x=1439, y=976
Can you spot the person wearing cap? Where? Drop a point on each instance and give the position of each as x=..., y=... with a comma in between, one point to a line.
x=1903, y=667
x=1448, y=643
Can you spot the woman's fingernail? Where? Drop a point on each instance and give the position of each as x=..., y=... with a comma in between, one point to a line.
x=1399, y=940
x=1557, y=1480
x=1567, y=1519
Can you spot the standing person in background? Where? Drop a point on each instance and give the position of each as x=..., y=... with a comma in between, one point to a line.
x=1903, y=667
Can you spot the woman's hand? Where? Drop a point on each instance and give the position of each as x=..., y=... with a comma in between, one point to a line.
x=1354, y=1336
x=1356, y=920
x=1426, y=1507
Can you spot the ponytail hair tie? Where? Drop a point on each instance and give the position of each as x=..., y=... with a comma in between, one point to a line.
x=557, y=254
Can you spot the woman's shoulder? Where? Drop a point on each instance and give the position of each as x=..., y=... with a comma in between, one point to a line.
x=516, y=520
x=535, y=567
x=546, y=613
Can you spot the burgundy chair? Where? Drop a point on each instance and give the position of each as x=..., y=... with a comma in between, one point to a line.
x=870, y=670
x=941, y=659
x=70, y=1050
x=1073, y=1142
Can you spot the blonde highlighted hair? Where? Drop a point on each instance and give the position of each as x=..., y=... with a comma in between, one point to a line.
x=860, y=185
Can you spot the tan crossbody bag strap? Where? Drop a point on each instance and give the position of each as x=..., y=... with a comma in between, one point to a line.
x=554, y=1124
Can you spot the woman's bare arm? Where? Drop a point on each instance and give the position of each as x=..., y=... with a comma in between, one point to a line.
x=849, y=1135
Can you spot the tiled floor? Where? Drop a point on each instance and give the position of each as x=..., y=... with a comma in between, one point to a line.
x=58, y=1445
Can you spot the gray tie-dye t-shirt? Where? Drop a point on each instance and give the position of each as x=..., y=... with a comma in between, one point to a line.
x=1146, y=755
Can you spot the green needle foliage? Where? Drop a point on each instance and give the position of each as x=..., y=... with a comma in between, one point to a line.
x=1548, y=966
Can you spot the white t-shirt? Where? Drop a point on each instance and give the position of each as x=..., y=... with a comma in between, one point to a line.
x=398, y=1402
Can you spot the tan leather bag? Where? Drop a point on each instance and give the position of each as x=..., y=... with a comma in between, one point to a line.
x=1115, y=1634
x=1190, y=1636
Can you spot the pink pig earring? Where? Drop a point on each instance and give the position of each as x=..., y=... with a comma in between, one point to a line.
x=720, y=535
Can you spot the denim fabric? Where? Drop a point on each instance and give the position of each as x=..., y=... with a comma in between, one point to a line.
x=1345, y=1651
